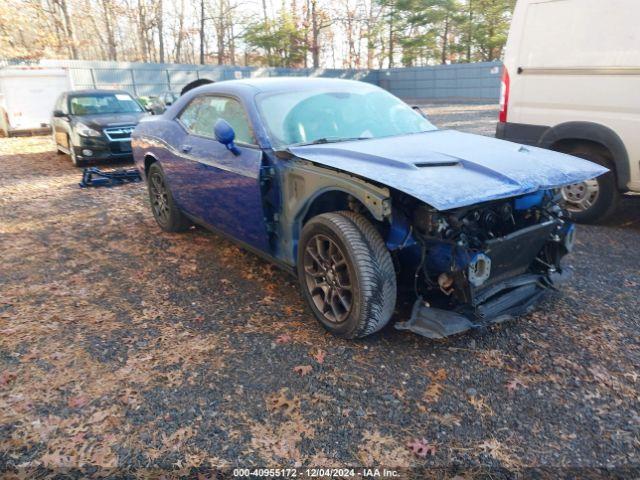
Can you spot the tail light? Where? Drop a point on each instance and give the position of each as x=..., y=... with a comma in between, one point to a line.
x=504, y=95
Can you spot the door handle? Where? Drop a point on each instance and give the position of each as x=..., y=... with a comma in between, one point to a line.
x=186, y=148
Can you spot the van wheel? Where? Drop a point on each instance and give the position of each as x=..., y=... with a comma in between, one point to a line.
x=346, y=274
x=593, y=200
x=164, y=209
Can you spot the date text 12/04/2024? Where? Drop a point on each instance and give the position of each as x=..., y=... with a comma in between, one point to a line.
x=315, y=473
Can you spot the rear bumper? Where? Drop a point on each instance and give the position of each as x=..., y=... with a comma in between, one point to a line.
x=520, y=132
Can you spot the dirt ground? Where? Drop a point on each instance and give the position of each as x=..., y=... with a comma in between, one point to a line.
x=123, y=346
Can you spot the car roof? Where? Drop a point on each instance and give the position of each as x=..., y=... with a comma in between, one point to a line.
x=94, y=91
x=278, y=84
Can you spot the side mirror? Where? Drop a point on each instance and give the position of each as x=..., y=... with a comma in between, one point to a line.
x=169, y=103
x=419, y=110
x=225, y=135
x=59, y=114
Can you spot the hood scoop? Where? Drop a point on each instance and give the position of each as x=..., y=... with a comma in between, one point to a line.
x=436, y=164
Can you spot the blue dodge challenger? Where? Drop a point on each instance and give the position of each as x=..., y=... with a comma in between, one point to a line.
x=357, y=194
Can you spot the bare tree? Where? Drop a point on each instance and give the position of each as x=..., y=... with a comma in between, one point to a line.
x=63, y=7
x=160, y=16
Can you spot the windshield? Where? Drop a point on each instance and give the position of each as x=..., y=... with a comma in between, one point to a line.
x=98, y=103
x=347, y=112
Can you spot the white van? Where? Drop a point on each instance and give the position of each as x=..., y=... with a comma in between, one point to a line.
x=571, y=83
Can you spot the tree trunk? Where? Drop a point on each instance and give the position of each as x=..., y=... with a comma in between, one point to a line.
x=160, y=31
x=68, y=27
x=111, y=41
x=202, y=36
x=178, y=56
x=231, y=43
x=391, y=15
x=315, y=34
x=142, y=27
x=445, y=40
x=220, y=32
x=470, y=31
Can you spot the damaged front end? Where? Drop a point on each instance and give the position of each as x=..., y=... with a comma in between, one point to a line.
x=482, y=264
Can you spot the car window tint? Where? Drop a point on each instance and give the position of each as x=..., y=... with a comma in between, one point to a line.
x=204, y=111
x=354, y=111
x=102, y=103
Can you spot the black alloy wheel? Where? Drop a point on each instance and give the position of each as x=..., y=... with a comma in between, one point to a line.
x=346, y=274
x=164, y=209
x=159, y=198
x=328, y=278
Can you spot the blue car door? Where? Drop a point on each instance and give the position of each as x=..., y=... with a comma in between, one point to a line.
x=215, y=185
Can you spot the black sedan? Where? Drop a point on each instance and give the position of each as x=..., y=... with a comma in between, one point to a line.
x=95, y=124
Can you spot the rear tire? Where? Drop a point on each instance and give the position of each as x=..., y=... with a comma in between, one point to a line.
x=346, y=274
x=604, y=202
x=164, y=209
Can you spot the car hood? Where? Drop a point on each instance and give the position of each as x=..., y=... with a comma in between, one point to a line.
x=110, y=120
x=449, y=169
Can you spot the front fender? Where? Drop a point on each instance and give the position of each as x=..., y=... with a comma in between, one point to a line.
x=303, y=182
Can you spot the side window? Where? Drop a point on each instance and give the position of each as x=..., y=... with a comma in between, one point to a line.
x=203, y=112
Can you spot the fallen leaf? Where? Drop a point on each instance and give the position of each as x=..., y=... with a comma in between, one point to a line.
x=281, y=401
x=601, y=375
x=303, y=369
x=421, y=448
x=514, y=385
x=199, y=319
x=439, y=375
x=319, y=355
x=99, y=416
x=480, y=405
x=7, y=377
x=78, y=401
x=284, y=338
x=399, y=393
x=433, y=392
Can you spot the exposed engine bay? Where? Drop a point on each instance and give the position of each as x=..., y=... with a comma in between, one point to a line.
x=484, y=263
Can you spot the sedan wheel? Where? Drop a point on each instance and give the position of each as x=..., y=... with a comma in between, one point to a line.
x=346, y=274
x=164, y=209
x=327, y=278
x=159, y=197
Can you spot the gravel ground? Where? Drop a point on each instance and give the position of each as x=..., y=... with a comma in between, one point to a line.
x=480, y=119
x=123, y=346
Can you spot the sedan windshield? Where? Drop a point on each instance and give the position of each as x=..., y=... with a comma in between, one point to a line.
x=333, y=115
x=99, y=103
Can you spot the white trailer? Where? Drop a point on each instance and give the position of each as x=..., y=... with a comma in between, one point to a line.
x=27, y=96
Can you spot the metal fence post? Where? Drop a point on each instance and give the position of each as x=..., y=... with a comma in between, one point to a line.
x=93, y=78
x=133, y=82
x=168, y=80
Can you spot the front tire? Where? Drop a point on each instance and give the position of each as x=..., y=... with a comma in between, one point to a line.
x=594, y=200
x=74, y=158
x=346, y=274
x=164, y=209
